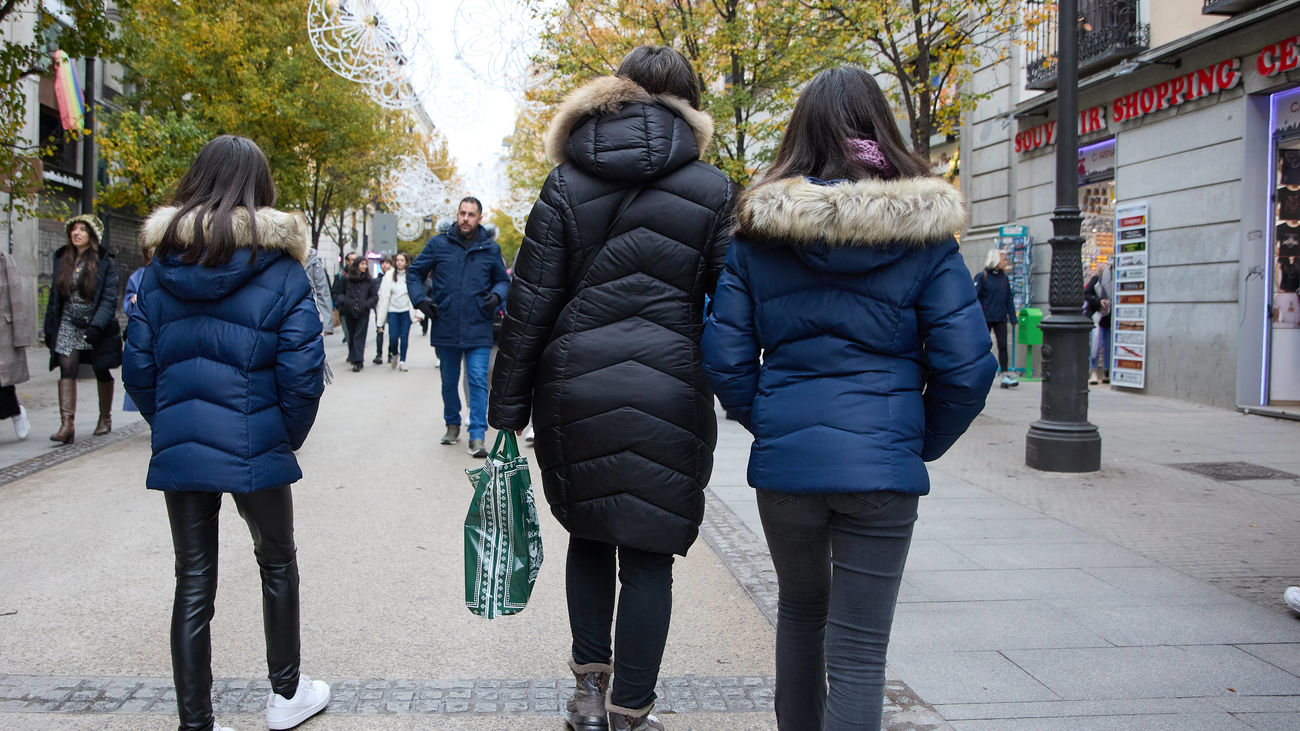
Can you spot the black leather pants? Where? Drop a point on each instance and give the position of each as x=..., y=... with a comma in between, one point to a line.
x=193, y=515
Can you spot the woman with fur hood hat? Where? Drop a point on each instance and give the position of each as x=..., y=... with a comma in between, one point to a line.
x=224, y=360
x=845, y=335
x=600, y=346
x=81, y=321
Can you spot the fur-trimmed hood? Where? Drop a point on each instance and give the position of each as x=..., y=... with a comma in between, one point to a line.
x=279, y=234
x=276, y=230
x=609, y=124
x=909, y=211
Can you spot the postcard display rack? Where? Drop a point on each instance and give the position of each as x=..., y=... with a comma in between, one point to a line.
x=1129, y=313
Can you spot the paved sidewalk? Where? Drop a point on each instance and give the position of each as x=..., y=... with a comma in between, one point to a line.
x=1140, y=597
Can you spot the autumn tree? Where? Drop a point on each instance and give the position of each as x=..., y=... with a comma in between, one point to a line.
x=751, y=57
x=207, y=67
x=86, y=30
x=928, y=50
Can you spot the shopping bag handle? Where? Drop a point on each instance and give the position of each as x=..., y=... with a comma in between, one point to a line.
x=511, y=446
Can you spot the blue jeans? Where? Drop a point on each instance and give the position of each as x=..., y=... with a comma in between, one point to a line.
x=476, y=370
x=1099, y=353
x=839, y=562
x=399, y=333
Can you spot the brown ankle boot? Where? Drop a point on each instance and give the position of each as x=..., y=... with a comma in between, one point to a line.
x=632, y=719
x=585, y=711
x=67, y=411
x=105, y=424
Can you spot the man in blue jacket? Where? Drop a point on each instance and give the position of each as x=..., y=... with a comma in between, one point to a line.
x=469, y=283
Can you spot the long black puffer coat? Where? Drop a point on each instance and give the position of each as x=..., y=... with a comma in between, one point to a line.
x=610, y=367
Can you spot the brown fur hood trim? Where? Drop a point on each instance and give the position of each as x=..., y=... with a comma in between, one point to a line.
x=916, y=211
x=277, y=230
x=604, y=95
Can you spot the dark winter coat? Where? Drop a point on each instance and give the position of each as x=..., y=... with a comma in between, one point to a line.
x=226, y=362
x=845, y=334
x=358, y=296
x=103, y=331
x=464, y=274
x=611, y=376
x=993, y=288
x=1093, y=294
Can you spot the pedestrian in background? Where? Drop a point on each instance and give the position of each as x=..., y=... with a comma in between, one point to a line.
x=469, y=282
x=846, y=336
x=225, y=311
x=395, y=310
x=385, y=266
x=1096, y=306
x=81, y=322
x=993, y=287
x=358, y=296
x=600, y=346
x=17, y=333
x=337, y=291
x=130, y=299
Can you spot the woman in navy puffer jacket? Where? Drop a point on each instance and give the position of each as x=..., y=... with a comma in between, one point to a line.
x=845, y=334
x=224, y=359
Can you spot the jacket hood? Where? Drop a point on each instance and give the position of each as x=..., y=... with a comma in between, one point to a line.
x=279, y=234
x=615, y=129
x=851, y=225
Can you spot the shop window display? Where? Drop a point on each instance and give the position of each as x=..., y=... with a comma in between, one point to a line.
x=1097, y=205
x=1284, y=335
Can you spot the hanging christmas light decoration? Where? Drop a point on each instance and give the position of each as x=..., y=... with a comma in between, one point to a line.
x=497, y=40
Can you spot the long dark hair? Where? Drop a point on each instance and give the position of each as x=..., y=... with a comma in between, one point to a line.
x=68, y=265
x=354, y=269
x=839, y=105
x=662, y=70
x=229, y=173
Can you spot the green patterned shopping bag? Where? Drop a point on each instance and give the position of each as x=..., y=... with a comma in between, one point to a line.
x=503, y=542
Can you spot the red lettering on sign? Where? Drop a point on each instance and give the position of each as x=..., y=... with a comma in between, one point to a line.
x=1228, y=74
x=1162, y=95
x=1290, y=59
x=1132, y=221
x=1090, y=120
x=1176, y=88
x=1266, y=63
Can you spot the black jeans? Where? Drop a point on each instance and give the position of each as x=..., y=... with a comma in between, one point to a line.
x=193, y=515
x=839, y=561
x=1000, y=335
x=644, y=609
x=357, y=339
x=9, y=407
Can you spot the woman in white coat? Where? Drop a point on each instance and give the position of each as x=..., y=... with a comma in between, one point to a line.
x=394, y=311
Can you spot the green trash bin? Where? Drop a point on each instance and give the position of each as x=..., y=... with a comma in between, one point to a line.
x=1029, y=332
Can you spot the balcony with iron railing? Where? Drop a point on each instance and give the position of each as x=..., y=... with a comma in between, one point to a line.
x=1230, y=7
x=1108, y=32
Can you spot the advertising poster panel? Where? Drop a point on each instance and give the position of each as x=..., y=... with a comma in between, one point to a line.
x=1129, y=318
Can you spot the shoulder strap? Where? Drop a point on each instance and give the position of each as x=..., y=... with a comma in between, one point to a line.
x=595, y=250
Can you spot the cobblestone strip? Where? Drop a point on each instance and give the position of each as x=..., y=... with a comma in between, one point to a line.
x=62, y=694
x=745, y=555
x=58, y=455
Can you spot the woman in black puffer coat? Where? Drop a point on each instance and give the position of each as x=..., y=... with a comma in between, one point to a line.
x=600, y=346
x=359, y=295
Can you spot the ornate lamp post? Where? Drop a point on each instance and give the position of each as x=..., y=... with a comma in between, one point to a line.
x=1062, y=440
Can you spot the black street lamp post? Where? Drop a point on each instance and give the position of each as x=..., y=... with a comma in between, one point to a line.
x=1062, y=440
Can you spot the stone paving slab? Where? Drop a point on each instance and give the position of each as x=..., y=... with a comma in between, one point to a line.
x=1148, y=722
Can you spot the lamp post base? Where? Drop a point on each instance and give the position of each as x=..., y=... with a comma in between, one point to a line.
x=1055, y=446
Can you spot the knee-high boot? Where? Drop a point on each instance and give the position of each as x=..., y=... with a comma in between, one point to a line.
x=67, y=411
x=105, y=424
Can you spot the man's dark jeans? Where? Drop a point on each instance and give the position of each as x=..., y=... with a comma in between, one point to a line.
x=839, y=561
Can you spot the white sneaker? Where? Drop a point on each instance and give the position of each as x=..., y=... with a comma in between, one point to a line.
x=401, y=365
x=1292, y=598
x=311, y=698
x=22, y=427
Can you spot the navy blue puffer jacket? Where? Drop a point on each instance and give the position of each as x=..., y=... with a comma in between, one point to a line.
x=225, y=362
x=463, y=274
x=845, y=334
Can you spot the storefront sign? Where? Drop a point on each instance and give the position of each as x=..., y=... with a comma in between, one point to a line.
x=1129, y=314
x=1279, y=57
x=1200, y=83
x=1090, y=120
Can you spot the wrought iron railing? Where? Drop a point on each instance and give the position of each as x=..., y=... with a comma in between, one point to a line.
x=1108, y=31
x=1229, y=7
